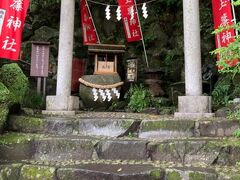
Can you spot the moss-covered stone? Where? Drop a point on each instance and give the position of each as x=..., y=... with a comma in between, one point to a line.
x=14, y=138
x=173, y=175
x=196, y=176
x=14, y=79
x=125, y=124
x=10, y=172
x=65, y=174
x=156, y=174
x=30, y=172
x=174, y=125
x=26, y=124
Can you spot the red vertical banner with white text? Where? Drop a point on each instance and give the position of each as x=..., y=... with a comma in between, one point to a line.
x=130, y=20
x=88, y=30
x=222, y=16
x=12, y=17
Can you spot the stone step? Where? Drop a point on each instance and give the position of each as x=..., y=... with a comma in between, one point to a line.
x=114, y=170
x=71, y=125
x=123, y=125
x=211, y=151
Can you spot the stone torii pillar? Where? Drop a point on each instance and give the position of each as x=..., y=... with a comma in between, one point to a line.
x=63, y=102
x=194, y=104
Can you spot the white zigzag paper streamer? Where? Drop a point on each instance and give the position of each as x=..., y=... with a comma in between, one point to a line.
x=108, y=94
x=102, y=93
x=118, y=11
x=108, y=14
x=95, y=94
x=115, y=91
x=144, y=11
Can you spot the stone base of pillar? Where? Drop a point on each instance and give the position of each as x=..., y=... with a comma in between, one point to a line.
x=62, y=105
x=194, y=107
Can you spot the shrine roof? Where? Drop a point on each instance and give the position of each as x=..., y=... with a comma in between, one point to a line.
x=106, y=48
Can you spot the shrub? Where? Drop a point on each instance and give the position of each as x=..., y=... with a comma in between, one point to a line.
x=4, y=94
x=221, y=92
x=139, y=98
x=236, y=133
x=13, y=78
x=33, y=99
x=4, y=100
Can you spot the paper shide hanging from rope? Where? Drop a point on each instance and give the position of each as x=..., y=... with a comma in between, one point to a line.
x=127, y=11
x=105, y=94
x=130, y=11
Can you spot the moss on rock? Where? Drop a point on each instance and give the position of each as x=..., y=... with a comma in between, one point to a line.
x=174, y=125
x=30, y=172
x=173, y=175
x=15, y=138
x=26, y=124
x=10, y=172
x=156, y=174
x=196, y=176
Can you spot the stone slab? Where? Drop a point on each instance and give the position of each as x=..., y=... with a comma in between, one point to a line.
x=62, y=103
x=111, y=172
x=59, y=149
x=190, y=151
x=194, y=104
x=127, y=150
x=166, y=128
x=180, y=116
x=218, y=128
x=10, y=171
x=59, y=113
x=30, y=172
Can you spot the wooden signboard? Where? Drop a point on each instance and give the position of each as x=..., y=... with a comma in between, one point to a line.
x=39, y=59
x=132, y=70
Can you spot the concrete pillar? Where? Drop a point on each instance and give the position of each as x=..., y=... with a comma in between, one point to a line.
x=63, y=102
x=193, y=105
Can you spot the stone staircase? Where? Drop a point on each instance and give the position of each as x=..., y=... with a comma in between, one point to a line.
x=118, y=146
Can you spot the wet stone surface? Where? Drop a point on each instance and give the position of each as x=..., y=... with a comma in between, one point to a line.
x=135, y=150
x=110, y=172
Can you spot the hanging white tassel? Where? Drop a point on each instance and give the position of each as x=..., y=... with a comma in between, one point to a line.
x=102, y=93
x=95, y=94
x=108, y=14
x=108, y=94
x=144, y=11
x=115, y=91
x=118, y=11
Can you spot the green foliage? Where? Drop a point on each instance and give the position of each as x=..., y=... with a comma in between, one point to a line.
x=221, y=91
x=3, y=116
x=118, y=105
x=139, y=98
x=228, y=55
x=13, y=78
x=4, y=94
x=234, y=115
x=33, y=99
x=236, y=133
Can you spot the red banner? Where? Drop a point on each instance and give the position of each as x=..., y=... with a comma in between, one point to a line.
x=12, y=17
x=88, y=30
x=222, y=16
x=130, y=20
